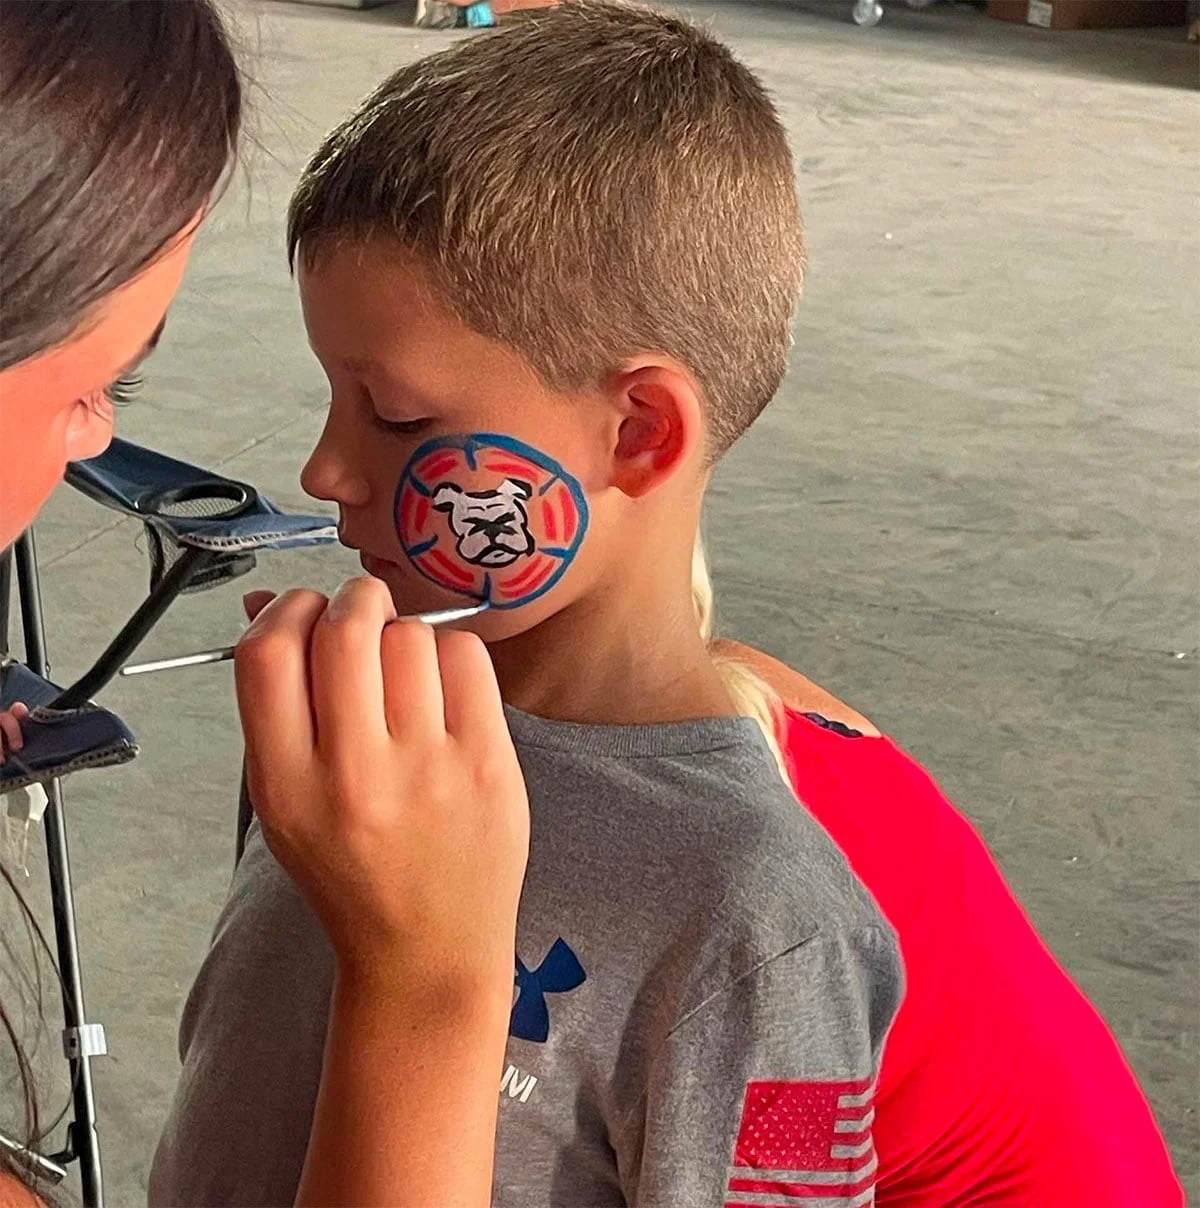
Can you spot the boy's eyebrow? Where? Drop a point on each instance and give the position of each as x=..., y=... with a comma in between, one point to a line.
x=372, y=367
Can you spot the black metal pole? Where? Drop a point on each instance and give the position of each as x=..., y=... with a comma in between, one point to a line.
x=5, y=598
x=190, y=562
x=83, y=1143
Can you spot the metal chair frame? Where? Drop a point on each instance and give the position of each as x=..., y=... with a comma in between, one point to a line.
x=204, y=557
x=81, y=1040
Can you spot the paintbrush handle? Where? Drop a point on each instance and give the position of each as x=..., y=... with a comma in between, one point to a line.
x=222, y=654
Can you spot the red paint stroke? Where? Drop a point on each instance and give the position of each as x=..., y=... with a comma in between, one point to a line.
x=531, y=585
x=536, y=565
x=511, y=590
x=512, y=467
x=570, y=515
x=549, y=520
x=439, y=463
x=406, y=516
x=456, y=575
x=422, y=514
x=533, y=573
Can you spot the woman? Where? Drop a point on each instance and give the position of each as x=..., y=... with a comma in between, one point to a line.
x=996, y=1065
x=118, y=121
x=83, y=302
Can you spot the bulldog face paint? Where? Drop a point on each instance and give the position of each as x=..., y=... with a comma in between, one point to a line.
x=489, y=517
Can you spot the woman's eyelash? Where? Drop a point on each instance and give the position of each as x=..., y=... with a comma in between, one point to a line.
x=124, y=389
x=401, y=427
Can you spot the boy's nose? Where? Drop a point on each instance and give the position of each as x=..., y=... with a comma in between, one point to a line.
x=329, y=475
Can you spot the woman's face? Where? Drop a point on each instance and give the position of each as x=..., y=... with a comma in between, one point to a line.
x=53, y=406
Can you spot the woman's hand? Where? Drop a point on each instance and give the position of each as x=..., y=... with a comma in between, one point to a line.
x=385, y=781
x=11, y=738
x=383, y=775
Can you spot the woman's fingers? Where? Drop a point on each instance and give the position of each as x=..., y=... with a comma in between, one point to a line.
x=271, y=672
x=378, y=757
x=11, y=738
x=473, y=708
x=412, y=683
x=347, y=675
x=253, y=602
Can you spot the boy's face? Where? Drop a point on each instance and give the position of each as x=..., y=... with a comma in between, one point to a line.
x=458, y=475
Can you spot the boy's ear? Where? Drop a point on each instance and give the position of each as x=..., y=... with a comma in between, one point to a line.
x=661, y=426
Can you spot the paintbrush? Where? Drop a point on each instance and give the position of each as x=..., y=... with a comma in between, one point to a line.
x=223, y=654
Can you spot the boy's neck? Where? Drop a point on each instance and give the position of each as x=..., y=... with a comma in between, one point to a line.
x=628, y=657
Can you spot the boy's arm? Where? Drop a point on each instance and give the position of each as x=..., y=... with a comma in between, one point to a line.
x=766, y=1089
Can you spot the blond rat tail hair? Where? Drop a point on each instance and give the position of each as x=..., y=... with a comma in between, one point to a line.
x=751, y=695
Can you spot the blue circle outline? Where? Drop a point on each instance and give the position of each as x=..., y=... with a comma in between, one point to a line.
x=470, y=445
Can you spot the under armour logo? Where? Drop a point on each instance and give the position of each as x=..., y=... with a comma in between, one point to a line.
x=558, y=973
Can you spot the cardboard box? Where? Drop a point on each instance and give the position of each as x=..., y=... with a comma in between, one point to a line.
x=1089, y=14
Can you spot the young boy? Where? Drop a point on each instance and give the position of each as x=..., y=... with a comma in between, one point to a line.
x=550, y=276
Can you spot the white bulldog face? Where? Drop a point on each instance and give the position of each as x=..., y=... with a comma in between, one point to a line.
x=492, y=527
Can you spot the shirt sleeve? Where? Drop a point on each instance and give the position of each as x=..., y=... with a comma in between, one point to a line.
x=763, y=1094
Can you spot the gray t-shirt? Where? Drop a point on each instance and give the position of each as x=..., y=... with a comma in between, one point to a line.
x=702, y=994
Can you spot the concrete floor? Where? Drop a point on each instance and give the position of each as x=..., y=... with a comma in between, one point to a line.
x=973, y=510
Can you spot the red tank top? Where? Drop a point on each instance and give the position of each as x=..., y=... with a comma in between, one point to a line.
x=1000, y=1084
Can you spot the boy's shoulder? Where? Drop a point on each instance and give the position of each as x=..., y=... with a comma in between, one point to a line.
x=692, y=817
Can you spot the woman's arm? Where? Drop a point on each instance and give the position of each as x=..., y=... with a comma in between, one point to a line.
x=406, y=1112
x=14, y=1193
x=382, y=772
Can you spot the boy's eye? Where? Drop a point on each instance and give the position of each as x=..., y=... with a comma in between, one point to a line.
x=401, y=427
x=124, y=388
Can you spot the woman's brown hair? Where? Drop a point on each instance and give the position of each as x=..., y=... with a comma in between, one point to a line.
x=118, y=119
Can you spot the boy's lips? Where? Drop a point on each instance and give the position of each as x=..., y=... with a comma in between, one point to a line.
x=371, y=563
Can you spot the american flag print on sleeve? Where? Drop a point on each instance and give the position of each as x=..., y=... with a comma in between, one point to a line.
x=764, y=1097
x=804, y=1145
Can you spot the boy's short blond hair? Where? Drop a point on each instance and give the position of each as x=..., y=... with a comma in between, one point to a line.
x=590, y=184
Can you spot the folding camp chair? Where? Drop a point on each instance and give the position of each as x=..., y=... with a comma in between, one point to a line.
x=203, y=530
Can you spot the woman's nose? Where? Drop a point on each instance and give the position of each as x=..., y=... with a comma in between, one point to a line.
x=330, y=475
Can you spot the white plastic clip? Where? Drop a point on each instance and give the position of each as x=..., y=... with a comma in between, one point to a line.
x=85, y=1041
x=27, y=804
x=20, y=809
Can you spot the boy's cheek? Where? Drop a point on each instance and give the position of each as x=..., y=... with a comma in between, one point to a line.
x=488, y=518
